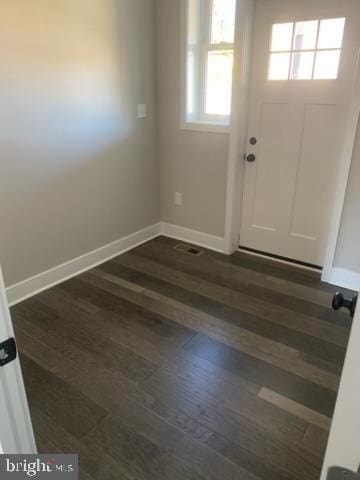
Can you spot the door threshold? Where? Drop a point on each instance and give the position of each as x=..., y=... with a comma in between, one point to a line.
x=279, y=259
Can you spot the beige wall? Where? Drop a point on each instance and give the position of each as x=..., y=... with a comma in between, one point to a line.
x=348, y=249
x=78, y=169
x=192, y=163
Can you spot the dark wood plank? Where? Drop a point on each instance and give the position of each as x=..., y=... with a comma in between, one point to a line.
x=267, y=459
x=266, y=435
x=296, y=388
x=295, y=408
x=149, y=448
x=160, y=365
x=95, y=464
x=229, y=305
x=273, y=352
x=86, y=343
x=208, y=268
x=265, y=266
x=317, y=438
x=128, y=328
x=57, y=400
x=107, y=389
x=211, y=409
x=103, y=386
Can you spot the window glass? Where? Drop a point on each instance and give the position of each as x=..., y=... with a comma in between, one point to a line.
x=281, y=38
x=279, y=66
x=219, y=82
x=302, y=65
x=305, y=35
x=190, y=83
x=331, y=33
x=327, y=64
x=223, y=21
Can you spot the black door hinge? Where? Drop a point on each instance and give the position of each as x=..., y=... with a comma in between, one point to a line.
x=7, y=351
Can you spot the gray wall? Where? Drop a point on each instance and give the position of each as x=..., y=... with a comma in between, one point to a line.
x=78, y=170
x=192, y=163
x=348, y=249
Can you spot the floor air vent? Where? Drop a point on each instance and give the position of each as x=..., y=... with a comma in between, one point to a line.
x=189, y=250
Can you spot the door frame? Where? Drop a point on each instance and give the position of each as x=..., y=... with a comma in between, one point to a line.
x=16, y=431
x=238, y=143
x=245, y=17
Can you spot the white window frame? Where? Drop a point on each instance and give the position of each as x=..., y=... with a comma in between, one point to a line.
x=201, y=121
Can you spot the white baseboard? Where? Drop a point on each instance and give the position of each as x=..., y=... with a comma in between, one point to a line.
x=31, y=286
x=192, y=236
x=345, y=279
x=45, y=280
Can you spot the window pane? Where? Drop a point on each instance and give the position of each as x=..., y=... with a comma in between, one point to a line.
x=327, y=65
x=302, y=65
x=281, y=37
x=331, y=33
x=219, y=83
x=190, y=107
x=279, y=66
x=305, y=35
x=223, y=21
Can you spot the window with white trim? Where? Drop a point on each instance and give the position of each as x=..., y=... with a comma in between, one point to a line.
x=210, y=31
x=307, y=50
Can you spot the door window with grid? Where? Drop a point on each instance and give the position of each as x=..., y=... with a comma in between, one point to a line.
x=307, y=50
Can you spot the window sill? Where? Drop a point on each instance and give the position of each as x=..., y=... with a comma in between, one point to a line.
x=205, y=127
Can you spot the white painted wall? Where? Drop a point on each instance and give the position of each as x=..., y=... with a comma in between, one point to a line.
x=78, y=169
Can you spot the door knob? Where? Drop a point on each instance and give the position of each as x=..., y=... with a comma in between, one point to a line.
x=251, y=158
x=339, y=301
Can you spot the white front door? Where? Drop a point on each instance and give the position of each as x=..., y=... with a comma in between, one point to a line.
x=304, y=64
x=16, y=433
x=343, y=448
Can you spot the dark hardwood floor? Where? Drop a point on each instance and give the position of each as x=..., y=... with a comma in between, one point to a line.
x=160, y=365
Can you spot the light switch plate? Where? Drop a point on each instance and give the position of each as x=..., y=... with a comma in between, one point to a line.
x=141, y=110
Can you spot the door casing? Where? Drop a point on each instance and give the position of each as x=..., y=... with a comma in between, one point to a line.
x=16, y=432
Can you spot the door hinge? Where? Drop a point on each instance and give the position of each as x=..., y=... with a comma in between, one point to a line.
x=7, y=351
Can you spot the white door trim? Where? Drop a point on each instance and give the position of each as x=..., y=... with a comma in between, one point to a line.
x=16, y=432
x=245, y=16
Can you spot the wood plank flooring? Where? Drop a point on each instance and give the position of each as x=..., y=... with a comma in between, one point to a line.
x=159, y=365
